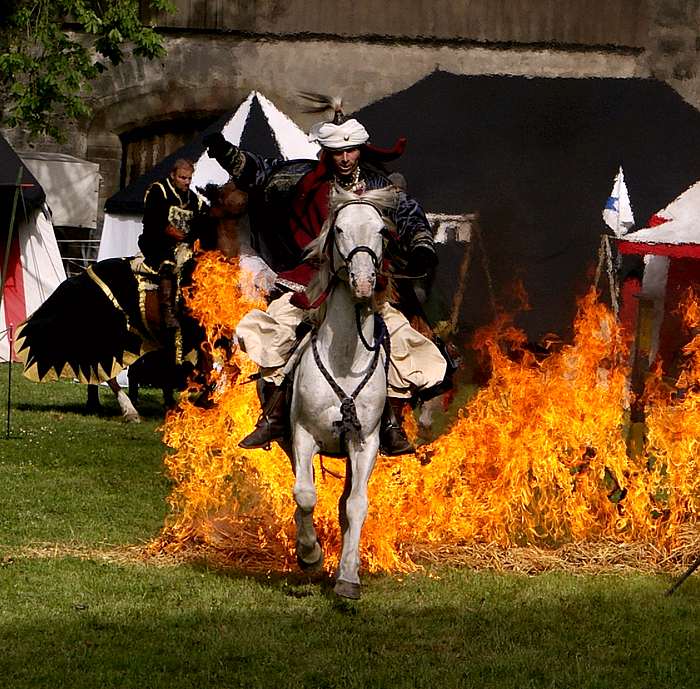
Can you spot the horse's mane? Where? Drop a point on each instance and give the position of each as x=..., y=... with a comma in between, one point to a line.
x=384, y=200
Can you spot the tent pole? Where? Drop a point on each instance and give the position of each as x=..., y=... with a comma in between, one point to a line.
x=6, y=257
x=461, y=284
x=614, y=292
x=9, y=380
x=485, y=266
x=601, y=260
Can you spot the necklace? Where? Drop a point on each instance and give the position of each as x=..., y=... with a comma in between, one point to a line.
x=351, y=184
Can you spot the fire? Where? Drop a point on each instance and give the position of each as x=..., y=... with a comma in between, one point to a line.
x=537, y=457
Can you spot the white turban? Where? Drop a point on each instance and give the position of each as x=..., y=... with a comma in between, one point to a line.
x=338, y=136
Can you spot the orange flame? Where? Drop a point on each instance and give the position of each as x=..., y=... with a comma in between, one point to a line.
x=538, y=456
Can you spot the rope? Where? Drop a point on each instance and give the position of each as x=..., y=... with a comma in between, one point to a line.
x=605, y=257
x=349, y=424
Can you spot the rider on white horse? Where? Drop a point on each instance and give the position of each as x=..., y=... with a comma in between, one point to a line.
x=296, y=197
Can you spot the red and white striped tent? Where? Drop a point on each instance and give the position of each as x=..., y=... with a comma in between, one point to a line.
x=671, y=247
x=673, y=231
x=30, y=262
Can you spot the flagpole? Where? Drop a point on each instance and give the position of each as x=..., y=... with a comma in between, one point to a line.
x=619, y=200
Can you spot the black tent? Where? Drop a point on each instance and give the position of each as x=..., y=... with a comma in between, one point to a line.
x=10, y=163
x=535, y=158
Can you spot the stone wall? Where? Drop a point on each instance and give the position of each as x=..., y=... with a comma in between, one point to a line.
x=220, y=50
x=575, y=22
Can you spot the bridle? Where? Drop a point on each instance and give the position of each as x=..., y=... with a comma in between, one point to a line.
x=349, y=424
x=362, y=248
x=379, y=331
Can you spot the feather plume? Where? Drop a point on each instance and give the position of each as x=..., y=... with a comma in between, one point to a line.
x=319, y=102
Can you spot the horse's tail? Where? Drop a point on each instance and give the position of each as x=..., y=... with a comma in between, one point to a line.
x=83, y=329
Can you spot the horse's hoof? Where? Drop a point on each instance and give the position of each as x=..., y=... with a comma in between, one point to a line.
x=305, y=565
x=347, y=589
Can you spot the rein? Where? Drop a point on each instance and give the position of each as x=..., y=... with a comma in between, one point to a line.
x=349, y=424
x=358, y=325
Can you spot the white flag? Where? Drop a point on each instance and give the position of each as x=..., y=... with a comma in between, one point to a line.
x=617, y=213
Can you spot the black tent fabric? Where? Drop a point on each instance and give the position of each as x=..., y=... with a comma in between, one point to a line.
x=536, y=158
x=9, y=167
x=257, y=136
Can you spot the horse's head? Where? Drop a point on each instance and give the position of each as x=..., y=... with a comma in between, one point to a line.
x=227, y=200
x=357, y=246
x=355, y=242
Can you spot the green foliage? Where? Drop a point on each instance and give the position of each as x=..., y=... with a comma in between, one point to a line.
x=50, y=51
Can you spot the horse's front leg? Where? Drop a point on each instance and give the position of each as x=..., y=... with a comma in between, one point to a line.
x=353, y=508
x=304, y=447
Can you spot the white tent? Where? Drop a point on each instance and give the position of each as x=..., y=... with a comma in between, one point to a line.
x=71, y=185
x=122, y=222
x=30, y=257
x=672, y=231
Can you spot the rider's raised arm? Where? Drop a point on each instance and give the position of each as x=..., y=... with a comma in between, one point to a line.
x=249, y=170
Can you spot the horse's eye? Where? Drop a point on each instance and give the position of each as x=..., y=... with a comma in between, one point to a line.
x=339, y=230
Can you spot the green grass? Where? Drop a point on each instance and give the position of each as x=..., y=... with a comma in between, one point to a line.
x=69, y=477
x=69, y=481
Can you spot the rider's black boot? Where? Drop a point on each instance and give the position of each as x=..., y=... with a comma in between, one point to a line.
x=392, y=439
x=273, y=423
x=166, y=302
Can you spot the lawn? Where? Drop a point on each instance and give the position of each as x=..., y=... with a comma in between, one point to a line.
x=80, y=606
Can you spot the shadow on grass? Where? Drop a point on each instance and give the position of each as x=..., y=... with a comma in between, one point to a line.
x=146, y=411
x=180, y=629
x=295, y=584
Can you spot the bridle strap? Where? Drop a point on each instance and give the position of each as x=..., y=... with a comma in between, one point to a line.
x=358, y=249
x=361, y=249
x=349, y=423
x=380, y=330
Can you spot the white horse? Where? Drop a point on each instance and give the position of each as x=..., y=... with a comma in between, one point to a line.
x=340, y=380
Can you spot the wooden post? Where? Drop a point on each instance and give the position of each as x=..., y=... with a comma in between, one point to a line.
x=687, y=573
x=458, y=297
x=640, y=370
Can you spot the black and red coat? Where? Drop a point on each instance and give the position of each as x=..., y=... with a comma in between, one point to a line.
x=164, y=205
x=289, y=202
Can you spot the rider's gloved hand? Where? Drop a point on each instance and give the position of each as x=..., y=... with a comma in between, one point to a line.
x=422, y=262
x=216, y=144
